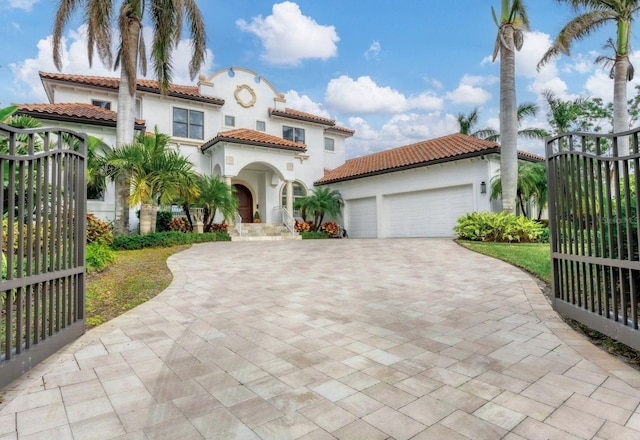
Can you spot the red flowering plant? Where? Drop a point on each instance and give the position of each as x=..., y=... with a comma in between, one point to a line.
x=302, y=226
x=330, y=228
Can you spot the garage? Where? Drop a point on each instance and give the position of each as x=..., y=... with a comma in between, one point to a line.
x=362, y=218
x=430, y=213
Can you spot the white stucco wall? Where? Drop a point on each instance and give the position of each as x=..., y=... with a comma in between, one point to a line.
x=451, y=174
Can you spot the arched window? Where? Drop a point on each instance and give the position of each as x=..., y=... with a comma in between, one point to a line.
x=299, y=191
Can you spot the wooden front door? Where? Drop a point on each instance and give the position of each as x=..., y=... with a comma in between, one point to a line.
x=245, y=203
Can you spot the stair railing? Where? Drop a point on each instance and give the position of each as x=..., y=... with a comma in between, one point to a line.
x=281, y=213
x=238, y=223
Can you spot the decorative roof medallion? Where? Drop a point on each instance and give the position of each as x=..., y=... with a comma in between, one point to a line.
x=245, y=96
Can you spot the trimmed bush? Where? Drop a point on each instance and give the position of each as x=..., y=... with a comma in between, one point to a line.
x=302, y=226
x=311, y=235
x=163, y=218
x=330, y=228
x=99, y=256
x=165, y=239
x=498, y=227
x=98, y=231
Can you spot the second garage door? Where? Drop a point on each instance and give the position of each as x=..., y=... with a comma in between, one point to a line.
x=431, y=213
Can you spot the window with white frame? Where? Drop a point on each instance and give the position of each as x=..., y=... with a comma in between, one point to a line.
x=329, y=144
x=102, y=104
x=299, y=191
x=188, y=123
x=261, y=126
x=293, y=134
x=229, y=121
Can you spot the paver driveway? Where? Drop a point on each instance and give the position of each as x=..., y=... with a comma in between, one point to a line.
x=348, y=339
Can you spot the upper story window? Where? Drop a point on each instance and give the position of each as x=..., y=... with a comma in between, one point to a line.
x=293, y=134
x=261, y=126
x=188, y=123
x=230, y=121
x=329, y=144
x=102, y=104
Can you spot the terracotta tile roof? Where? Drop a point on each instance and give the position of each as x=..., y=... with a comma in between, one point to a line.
x=253, y=137
x=75, y=112
x=146, y=85
x=444, y=149
x=342, y=130
x=290, y=113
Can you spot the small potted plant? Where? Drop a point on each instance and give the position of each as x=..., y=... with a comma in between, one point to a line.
x=256, y=217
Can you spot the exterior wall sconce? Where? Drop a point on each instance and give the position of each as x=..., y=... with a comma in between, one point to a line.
x=483, y=188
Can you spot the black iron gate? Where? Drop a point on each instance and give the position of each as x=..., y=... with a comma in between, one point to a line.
x=593, y=215
x=43, y=245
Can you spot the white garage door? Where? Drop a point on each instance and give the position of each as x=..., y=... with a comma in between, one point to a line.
x=430, y=213
x=362, y=215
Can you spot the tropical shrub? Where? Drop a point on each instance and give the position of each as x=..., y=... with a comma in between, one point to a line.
x=98, y=231
x=4, y=266
x=99, y=256
x=302, y=226
x=216, y=227
x=498, y=227
x=179, y=225
x=163, y=218
x=330, y=228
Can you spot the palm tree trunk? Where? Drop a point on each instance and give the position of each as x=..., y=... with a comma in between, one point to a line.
x=508, y=124
x=620, y=114
x=148, y=215
x=125, y=127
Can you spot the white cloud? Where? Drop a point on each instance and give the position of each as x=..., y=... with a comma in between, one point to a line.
x=277, y=31
x=373, y=51
x=305, y=104
x=400, y=130
x=74, y=61
x=468, y=92
x=27, y=5
x=365, y=96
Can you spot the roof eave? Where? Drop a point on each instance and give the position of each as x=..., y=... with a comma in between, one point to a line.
x=283, y=115
x=411, y=166
x=219, y=139
x=76, y=119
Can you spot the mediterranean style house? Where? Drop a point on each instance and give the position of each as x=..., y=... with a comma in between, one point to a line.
x=236, y=125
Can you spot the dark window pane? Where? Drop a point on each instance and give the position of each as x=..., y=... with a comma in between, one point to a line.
x=287, y=132
x=196, y=117
x=299, y=135
x=180, y=115
x=196, y=132
x=179, y=129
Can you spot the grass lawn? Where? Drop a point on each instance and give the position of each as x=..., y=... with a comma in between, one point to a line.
x=134, y=278
x=532, y=257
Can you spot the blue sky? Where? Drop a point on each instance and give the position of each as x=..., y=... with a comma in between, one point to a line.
x=397, y=72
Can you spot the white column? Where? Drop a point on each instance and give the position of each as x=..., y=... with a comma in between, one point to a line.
x=289, y=187
x=232, y=220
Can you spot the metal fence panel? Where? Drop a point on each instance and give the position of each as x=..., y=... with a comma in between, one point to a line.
x=42, y=303
x=593, y=219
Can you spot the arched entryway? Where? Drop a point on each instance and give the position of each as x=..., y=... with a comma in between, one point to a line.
x=245, y=203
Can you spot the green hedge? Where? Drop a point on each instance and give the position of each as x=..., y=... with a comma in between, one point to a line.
x=313, y=235
x=165, y=239
x=499, y=227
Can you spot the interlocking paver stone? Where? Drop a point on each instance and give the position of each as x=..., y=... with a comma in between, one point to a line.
x=389, y=339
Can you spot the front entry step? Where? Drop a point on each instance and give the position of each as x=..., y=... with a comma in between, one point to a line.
x=263, y=232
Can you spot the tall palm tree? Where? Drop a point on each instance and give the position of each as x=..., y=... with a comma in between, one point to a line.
x=512, y=22
x=592, y=15
x=158, y=174
x=524, y=109
x=166, y=17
